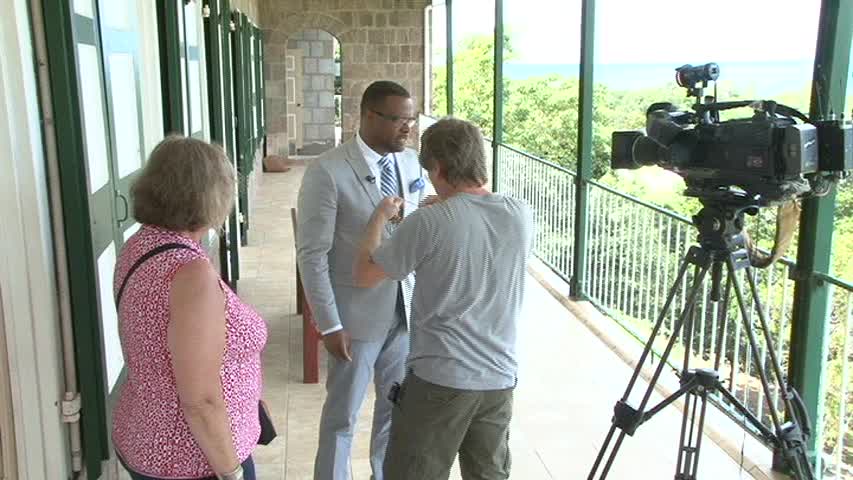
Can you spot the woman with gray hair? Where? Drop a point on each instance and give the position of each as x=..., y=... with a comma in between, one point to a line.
x=189, y=406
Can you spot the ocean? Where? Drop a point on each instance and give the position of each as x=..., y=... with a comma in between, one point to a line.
x=763, y=78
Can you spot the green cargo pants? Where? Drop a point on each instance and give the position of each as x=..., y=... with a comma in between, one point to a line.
x=430, y=424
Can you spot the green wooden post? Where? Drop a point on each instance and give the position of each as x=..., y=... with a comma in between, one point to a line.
x=810, y=325
x=498, y=112
x=259, y=55
x=243, y=117
x=584, y=159
x=170, y=66
x=225, y=20
x=449, y=34
x=213, y=57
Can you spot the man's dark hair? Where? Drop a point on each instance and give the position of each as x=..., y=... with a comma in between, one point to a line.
x=377, y=92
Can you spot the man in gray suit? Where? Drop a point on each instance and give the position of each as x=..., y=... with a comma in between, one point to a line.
x=364, y=329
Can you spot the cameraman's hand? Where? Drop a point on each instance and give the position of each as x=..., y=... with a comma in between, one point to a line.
x=389, y=209
x=430, y=200
x=339, y=344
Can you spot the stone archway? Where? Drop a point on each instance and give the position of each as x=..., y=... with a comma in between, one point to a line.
x=313, y=83
x=376, y=43
x=278, y=38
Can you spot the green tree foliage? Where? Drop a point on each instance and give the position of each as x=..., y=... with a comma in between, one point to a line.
x=473, y=67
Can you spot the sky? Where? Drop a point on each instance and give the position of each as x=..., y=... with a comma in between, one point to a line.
x=648, y=31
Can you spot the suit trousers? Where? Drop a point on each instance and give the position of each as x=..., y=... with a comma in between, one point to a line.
x=346, y=387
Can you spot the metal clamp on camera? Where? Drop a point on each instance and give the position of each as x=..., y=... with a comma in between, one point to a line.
x=734, y=167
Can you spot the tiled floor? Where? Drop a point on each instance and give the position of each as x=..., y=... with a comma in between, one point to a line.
x=568, y=382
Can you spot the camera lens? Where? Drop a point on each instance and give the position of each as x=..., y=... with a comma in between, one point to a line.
x=649, y=152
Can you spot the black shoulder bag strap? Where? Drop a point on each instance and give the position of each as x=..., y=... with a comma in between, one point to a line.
x=153, y=252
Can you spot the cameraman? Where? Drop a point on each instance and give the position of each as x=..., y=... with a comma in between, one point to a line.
x=469, y=252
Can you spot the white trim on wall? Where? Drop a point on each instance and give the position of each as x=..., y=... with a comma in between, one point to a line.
x=149, y=79
x=27, y=275
x=8, y=456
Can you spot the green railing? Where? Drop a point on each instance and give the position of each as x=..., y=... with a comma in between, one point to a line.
x=634, y=250
x=550, y=191
x=838, y=396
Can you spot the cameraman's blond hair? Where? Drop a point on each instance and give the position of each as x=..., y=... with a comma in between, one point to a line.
x=457, y=146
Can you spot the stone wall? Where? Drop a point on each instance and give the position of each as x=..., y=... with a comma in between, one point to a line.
x=318, y=86
x=380, y=40
x=250, y=7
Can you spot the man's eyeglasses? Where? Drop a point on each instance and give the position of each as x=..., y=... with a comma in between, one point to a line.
x=396, y=120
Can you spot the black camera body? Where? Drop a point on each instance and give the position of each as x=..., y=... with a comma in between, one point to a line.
x=770, y=156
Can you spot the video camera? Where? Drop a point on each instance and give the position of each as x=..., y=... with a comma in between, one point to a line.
x=769, y=157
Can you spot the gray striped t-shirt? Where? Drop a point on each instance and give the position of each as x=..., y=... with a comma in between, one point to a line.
x=469, y=254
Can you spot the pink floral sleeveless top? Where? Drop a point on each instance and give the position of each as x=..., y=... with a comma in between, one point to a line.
x=150, y=432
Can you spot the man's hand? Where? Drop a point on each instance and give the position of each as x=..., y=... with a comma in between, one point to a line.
x=389, y=209
x=339, y=344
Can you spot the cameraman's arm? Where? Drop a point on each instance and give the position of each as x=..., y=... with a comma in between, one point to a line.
x=411, y=244
x=365, y=271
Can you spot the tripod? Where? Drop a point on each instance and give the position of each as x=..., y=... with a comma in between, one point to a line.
x=721, y=246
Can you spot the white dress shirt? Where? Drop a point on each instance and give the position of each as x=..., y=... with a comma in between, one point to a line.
x=373, y=159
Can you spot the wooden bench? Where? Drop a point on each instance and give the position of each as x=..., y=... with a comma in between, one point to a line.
x=310, y=336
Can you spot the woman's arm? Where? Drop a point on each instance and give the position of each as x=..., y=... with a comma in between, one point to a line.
x=197, y=342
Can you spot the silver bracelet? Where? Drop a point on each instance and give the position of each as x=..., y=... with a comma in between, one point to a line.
x=236, y=474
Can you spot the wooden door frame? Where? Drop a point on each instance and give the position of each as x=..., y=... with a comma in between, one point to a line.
x=297, y=134
x=8, y=448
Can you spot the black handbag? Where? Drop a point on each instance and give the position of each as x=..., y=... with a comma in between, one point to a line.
x=268, y=432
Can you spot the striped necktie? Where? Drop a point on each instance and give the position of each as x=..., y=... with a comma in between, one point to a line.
x=389, y=179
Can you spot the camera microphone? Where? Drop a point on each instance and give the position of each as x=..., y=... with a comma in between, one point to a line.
x=370, y=178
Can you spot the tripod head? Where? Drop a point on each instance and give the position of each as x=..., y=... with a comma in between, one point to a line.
x=721, y=232
x=721, y=223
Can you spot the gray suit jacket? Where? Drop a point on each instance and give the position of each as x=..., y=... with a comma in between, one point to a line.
x=336, y=201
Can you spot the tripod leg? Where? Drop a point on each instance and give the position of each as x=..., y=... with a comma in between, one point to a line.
x=673, y=291
x=687, y=338
x=794, y=454
x=697, y=285
x=691, y=435
x=689, y=413
x=691, y=301
x=723, y=323
x=750, y=334
x=790, y=441
x=603, y=450
x=793, y=443
x=612, y=456
x=686, y=418
x=699, y=437
x=774, y=360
